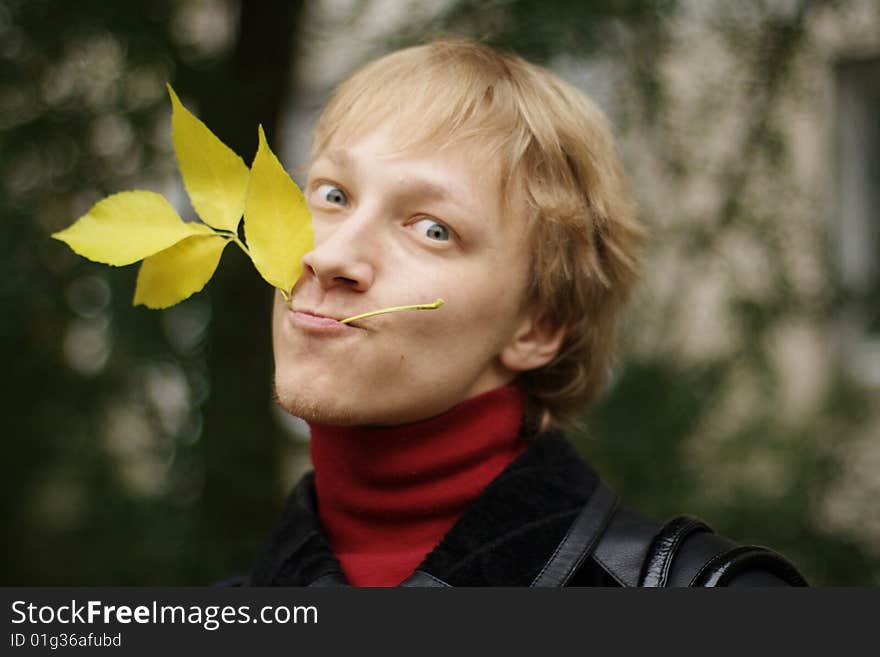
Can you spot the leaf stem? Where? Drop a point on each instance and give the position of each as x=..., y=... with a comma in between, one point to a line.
x=240, y=244
x=421, y=306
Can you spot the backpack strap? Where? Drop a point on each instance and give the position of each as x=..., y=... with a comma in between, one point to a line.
x=721, y=569
x=684, y=552
x=621, y=550
x=580, y=540
x=665, y=546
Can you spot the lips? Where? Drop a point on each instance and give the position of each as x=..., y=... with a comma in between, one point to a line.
x=316, y=323
x=317, y=315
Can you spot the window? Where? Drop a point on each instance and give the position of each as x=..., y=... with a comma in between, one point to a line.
x=857, y=140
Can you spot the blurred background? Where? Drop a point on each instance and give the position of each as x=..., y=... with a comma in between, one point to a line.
x=143, y=448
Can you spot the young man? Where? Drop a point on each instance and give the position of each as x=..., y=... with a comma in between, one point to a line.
x=453, y=171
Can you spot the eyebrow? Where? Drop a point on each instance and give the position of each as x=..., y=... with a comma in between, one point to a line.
x=426, y=189
x=417, y=187
x=339, y=157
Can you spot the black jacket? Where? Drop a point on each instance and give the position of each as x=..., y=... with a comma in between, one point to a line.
x=546, y=520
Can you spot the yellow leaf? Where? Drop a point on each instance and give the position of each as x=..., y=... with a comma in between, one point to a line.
x=126, y=227
x=215, y=178
x=178, y=272
x=277, y=223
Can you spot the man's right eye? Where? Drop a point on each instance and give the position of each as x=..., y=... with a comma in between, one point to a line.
x=332, y=194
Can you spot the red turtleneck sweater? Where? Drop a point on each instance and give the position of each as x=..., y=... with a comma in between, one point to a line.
x=387, y=495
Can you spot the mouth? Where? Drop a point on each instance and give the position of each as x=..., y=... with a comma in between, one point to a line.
x=310, y=319
x=316, y=315
x=316, y=323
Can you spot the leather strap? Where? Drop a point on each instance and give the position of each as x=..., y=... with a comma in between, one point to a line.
x=664, y=547
x=580, y=540
x=723, y=567
x=422, y=579
x=622, y=548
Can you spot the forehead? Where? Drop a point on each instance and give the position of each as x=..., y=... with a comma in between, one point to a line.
x=449, y=171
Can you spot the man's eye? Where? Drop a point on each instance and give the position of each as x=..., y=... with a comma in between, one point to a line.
x=432, y=230
x=332, y=194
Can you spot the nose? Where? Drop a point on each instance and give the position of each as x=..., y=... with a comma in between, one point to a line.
x=344, y=255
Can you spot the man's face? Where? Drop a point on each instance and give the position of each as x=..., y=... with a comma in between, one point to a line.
x=394, y=229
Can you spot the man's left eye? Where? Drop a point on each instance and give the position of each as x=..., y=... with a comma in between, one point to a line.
x=432, y=229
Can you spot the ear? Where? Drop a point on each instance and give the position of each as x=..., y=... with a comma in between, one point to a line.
x=534, y=344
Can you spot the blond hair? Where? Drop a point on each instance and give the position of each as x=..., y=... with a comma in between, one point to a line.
x=557, y=155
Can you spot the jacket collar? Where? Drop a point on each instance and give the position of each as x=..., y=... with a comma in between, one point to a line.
x=503, y=539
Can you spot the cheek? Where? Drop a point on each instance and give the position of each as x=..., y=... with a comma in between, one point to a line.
x=279, y=308
x=276, y=319
x=494, y=293
x=321, y=228
x=477, y=326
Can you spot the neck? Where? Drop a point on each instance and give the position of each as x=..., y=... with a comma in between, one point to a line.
x=387, y=495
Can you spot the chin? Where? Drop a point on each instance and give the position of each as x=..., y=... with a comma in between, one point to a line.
x=314, y=406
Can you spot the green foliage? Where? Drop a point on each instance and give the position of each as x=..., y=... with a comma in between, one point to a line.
x=108, y=479
x=637, y=435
